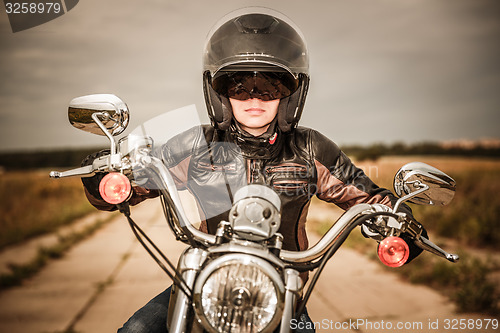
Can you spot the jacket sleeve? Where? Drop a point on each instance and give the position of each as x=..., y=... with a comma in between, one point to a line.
x=340, y=181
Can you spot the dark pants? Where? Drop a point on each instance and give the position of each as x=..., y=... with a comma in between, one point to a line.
x=152, y=318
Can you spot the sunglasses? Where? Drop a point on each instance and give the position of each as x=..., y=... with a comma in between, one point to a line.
x=266, y=86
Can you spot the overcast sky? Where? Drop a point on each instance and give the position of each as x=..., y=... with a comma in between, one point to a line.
x=381, y=70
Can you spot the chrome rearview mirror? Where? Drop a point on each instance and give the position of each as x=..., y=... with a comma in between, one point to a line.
x=423, y=184
x=112, y=113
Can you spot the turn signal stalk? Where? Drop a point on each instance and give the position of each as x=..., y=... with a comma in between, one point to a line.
x=393, y=251
x=115, y=188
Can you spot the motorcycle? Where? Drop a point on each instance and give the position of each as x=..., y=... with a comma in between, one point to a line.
x=239, y=279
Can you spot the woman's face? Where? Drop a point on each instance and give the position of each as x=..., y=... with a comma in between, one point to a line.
x=254, y=115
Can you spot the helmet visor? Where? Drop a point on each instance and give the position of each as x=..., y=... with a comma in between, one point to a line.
x=262, y=85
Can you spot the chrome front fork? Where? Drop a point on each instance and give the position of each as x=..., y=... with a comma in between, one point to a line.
x=189, y=265
x=293, y=287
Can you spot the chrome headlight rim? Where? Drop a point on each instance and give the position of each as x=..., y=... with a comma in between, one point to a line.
x=245, y=259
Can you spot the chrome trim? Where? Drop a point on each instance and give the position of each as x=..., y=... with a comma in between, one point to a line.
x=245, y=259
x=423, y=188
x=255, y=214
x=248, y=248
x=429, y=246
x=86, y=170
x=293, y=286
x=410, y=178
x=168, y=183
x=82, y=108
x=190, y=263
x=258, y=191
x=328, y=240
x=115, y=158
x=99, y=164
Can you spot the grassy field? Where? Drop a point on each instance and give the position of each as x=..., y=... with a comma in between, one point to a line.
x=472, y=217
x=469, y=225
x=32, y=204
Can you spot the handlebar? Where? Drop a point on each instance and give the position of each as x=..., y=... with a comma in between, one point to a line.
x=342, y=226
x=168, y=188
x=328, y=240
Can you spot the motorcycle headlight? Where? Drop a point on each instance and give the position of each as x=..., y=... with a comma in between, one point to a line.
x=239, y=293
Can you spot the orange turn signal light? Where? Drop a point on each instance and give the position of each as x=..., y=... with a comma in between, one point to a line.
x=115, y=188
x=393, y=251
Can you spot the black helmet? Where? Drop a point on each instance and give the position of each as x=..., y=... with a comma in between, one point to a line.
x=260, y=46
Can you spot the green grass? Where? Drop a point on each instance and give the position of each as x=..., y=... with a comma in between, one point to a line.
x=33, y=204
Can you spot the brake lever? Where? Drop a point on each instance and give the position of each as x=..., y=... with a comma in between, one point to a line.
x=86, y=171
x=429, y=246
x=99, y=164
x=415, y=229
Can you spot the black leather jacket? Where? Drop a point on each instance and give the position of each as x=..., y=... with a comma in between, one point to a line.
x=297, y=165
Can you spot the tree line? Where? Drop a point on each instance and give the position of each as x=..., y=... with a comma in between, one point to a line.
x=72, y=157
x=26, y=160
x=377, y=150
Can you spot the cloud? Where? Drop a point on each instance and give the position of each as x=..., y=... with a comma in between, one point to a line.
x=390, y=67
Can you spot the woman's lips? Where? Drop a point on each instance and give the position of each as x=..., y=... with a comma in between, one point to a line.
x=255, y=110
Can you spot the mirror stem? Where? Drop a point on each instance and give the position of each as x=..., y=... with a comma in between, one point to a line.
x=423, y=188
x=114, y=160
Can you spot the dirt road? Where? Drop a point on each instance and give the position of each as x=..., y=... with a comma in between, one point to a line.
x=104, y=279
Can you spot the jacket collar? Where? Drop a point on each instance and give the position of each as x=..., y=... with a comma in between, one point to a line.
x=264, y=146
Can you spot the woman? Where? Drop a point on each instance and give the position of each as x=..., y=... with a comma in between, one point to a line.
x=255, y=82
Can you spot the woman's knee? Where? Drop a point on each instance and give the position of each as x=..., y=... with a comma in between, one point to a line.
x=151, y=318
